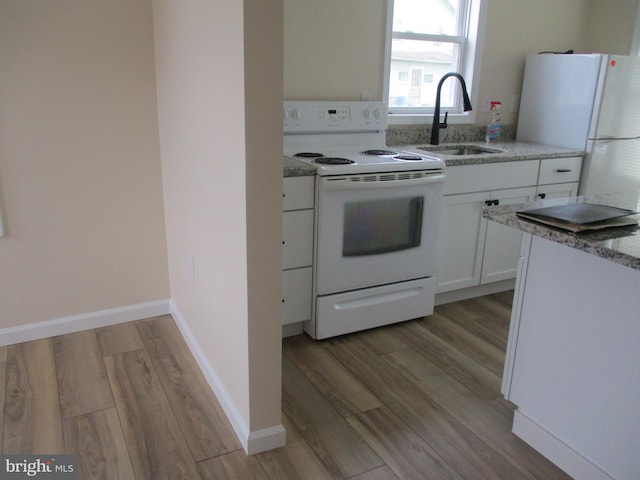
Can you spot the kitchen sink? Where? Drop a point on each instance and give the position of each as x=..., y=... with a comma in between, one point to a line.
x=460, y=149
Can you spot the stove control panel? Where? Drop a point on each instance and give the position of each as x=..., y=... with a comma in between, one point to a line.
x=320, y=117
x=334, y=115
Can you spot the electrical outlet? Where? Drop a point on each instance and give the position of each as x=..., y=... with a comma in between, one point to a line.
x=486, y=103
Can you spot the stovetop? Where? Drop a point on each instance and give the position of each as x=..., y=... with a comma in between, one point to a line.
x=340, y=138
x=343, y=162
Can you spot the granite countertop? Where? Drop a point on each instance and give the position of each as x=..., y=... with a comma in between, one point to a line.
x=293, y=167
x=512, y=151
x=620, y=245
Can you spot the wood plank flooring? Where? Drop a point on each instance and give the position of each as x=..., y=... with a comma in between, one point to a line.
x=416, y=400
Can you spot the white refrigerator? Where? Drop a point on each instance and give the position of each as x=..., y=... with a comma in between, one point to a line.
x=590, y=102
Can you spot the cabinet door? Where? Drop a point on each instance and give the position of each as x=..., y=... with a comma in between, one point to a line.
x=502, y=244
x=296, y=295
x=297, y=193
x=297, y=239
x=461, y=242
x=558, y=190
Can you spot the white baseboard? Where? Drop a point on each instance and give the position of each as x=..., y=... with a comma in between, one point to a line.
x=252, y=442
x=83, y=321
x=291, y=329
x=265, y=439
x=472, y=292
x=558, y=452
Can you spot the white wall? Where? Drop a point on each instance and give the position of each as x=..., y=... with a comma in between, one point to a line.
x=80, y=184
x=219, y=77
x=333, y=49
x=611, y=26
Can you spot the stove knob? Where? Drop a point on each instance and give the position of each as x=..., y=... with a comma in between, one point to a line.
x=376, y=113
x=294, y=113
x=367, y=113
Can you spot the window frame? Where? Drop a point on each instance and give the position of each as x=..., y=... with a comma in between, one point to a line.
x=470, y=53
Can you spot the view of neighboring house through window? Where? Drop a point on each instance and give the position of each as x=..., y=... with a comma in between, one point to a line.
x=428, y=38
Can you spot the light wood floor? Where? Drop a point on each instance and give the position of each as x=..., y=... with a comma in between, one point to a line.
x=417, y=400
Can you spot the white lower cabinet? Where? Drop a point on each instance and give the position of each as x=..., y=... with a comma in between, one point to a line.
x=559, y=177
x=560, y=170
x=460, y=249
x=559, y=190
x=502, y=243
x=297, y=239
x=297, y=249
x=296, y=295
x=472, y=249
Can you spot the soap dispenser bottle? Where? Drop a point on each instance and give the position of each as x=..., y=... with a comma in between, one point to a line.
x=494, y=129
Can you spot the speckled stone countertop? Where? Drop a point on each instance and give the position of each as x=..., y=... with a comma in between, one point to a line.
x=295, y=168
x=620, y=245
x=511, y=151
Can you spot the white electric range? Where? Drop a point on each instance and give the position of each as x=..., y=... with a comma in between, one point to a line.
x=377, y=218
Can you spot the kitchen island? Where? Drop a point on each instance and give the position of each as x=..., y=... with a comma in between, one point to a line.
x=572, y=364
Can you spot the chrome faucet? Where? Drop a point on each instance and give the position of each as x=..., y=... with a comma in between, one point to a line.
x=435, y=128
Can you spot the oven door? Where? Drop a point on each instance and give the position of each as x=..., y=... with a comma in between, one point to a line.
x=376, y=229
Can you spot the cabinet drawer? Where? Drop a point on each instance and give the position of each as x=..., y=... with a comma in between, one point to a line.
x=558, y=190
x=297, y=238
x=491, y=176
x=560, y=170
x=297, y=193
x=296, y=295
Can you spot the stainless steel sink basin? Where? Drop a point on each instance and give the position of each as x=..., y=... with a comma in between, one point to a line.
x=459, y=149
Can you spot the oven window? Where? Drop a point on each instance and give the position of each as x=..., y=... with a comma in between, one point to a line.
x=381, y=226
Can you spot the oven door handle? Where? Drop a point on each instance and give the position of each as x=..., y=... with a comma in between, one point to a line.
x=376, y=181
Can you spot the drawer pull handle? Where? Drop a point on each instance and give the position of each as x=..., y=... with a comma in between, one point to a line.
x=542, y=195
x=489, y=203
x=563, y=170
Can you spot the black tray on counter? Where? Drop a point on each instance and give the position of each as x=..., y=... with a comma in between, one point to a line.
x=579, y=217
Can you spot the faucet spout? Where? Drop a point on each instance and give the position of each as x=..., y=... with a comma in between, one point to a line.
x=435, y=128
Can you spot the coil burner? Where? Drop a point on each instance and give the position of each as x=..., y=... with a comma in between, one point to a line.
x=379, y=152
x=408, y=156
x=334, y=161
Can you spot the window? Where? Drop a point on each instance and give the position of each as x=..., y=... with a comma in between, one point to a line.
x=429, y=38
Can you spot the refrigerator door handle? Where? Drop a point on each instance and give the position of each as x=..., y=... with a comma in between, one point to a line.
x=609, y=139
